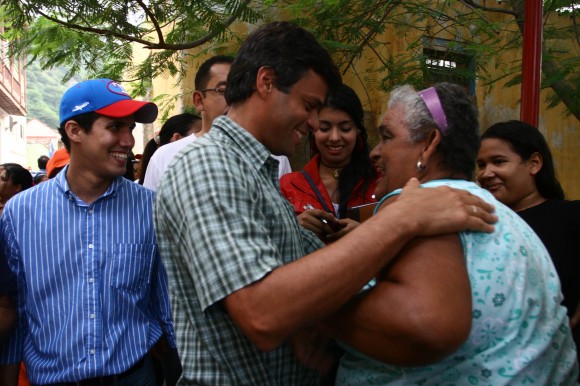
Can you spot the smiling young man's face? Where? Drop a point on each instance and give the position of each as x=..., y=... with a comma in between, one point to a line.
x=105, y=148
x=295, y=114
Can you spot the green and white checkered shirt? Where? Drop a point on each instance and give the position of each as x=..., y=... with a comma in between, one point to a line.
x=221, y=225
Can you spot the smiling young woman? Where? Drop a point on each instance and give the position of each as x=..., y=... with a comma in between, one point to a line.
x=515, y=164
x=339, y=175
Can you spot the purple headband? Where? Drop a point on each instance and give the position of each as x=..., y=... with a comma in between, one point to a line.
x=433, y=103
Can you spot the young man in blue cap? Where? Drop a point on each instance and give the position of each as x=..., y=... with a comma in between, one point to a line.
x=92, y=291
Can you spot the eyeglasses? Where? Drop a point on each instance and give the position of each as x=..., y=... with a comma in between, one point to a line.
x=220, y=90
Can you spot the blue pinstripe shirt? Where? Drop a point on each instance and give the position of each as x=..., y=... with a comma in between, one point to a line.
x=92, y=291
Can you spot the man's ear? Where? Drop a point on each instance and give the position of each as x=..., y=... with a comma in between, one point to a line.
x=198, y=100
x=265, y=81
x=73, y=131
x=431, y=142
x=535, y=163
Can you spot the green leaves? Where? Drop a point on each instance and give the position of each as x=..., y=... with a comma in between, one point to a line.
x=379, y=42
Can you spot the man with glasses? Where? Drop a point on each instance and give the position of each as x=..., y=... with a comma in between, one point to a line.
x=208, y=99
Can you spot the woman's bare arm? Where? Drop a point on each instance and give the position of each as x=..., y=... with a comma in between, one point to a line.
x=420, y=310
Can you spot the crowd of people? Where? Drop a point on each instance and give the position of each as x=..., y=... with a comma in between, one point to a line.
x=226, y=268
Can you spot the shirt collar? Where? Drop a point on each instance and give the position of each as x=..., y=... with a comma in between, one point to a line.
x=253, y=149
x=63, y=185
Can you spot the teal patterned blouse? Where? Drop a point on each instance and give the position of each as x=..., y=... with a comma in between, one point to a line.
x=520, y=333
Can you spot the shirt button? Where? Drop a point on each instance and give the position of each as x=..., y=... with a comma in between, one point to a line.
x=90, y=211
x=91, y=280
x=92, y=351
x=92, y=316
x=90, y=246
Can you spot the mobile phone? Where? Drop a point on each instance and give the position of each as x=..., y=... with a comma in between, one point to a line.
x=362, y=212
x=334, y=225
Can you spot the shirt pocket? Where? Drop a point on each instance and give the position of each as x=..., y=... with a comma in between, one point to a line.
x=131, y=268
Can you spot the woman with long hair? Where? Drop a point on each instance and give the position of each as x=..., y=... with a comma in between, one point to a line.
x=339, y=175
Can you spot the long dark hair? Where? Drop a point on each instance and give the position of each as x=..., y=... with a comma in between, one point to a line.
x=360, y=166
x=525, y=140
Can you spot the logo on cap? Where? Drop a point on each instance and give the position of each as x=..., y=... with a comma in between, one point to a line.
x=116, y=88
x=80, y=107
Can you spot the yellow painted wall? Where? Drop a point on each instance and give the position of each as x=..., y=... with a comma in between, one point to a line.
x=496, y=104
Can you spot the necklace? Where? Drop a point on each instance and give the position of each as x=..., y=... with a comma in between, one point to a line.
x=334, y=171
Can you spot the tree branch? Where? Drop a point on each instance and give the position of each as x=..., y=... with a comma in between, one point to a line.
x=153, y=20
x=472, y=4
x=372, y=33
x=98, y=31
x=161, y=45
x=562, y=88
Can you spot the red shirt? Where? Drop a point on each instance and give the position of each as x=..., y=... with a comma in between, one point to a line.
x=297, y=190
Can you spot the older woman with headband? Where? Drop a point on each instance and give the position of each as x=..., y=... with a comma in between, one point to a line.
x=467, y=308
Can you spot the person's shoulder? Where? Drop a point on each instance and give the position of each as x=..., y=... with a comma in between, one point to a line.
x=23, y=203
x=32, y=194
x=135, y=188
x=570, y=207
x=165, y=152
x=566, y=203
x=557, y=205
x=292, y=177
x=173, y=148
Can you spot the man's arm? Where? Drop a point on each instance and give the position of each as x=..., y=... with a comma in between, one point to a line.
x=161, y=306
x=9, y=374
x=11, y=349
x=7, y=316
x=305, y=291
x=8, y=311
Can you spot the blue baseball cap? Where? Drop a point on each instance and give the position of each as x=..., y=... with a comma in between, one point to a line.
x=105, y=97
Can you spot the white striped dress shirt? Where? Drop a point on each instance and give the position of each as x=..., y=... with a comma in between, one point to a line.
x=92, y=291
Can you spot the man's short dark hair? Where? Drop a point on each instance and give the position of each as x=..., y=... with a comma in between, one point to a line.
x=41, y=161
x=286, y=48
x=203, y=75
x=85, y=121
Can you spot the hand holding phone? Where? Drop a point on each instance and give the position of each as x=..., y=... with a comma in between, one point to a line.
x=333, y=224
x=326, y=218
